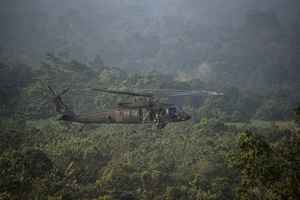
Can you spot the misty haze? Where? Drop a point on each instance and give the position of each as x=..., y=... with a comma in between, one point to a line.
x=149, y=99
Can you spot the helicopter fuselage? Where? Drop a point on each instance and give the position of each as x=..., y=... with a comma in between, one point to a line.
x=122, y=116
x=128, y=116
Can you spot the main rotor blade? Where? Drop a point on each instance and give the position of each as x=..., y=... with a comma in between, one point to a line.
x=195, y=93
x=162, y=92
x=174, y=92
x=124, y=92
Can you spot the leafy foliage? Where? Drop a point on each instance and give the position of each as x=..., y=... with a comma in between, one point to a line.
x=211, y=158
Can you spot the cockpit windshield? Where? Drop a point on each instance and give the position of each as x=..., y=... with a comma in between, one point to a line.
x=173, y=112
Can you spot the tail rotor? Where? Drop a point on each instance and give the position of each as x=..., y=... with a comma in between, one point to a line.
x=60, y=106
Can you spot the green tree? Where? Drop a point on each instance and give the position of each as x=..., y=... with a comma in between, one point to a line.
x=117, y=180
x=268, y=172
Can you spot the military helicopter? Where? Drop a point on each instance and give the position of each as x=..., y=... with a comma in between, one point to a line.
x=145, y=109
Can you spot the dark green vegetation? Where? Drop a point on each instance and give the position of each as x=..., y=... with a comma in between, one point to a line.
x=225, y=154
x=243, y=145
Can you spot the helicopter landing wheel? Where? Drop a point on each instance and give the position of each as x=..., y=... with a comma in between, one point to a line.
x=159, y=124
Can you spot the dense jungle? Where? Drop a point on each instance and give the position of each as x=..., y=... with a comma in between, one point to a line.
x=244, y=144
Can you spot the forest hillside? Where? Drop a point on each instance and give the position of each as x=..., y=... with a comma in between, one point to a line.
x=244, y=144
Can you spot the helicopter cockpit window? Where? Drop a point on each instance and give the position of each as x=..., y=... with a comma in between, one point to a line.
x=172, y=112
